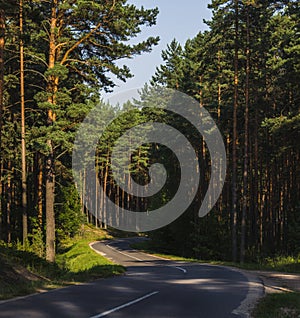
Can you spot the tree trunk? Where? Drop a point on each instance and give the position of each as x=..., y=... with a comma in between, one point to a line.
x=23, y=145
x=50, y=168
x=8, y=202
x=2, y=43
x=50, y=217
x=39, y=166
x=245, y=174
x=106, y=171
x=234, y=138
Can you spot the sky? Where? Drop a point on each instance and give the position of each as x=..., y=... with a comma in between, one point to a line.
x=179, y=19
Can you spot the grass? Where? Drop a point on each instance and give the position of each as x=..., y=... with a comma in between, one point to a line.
x=286, y=305
x=23, y=272
x=281, y=263
x=82, y=263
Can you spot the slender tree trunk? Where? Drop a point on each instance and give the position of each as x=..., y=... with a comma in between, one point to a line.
x=23, y=145
x=8, y=203
x=245, y=175
x=50, y=217
x=2, y=43
x=117, y=201
x=96, y=196
x=50, y=168
x=40, y=191
x=219, y=88
x=234, y=138
x=104, y=191
x=101, y=199
x=256, y=196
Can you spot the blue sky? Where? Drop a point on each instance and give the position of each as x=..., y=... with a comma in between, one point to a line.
x=180, y=19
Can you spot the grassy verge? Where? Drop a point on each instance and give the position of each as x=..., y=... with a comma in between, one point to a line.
x=82, y=263
x=22, y=272
x=280, y=264
x=286, y=305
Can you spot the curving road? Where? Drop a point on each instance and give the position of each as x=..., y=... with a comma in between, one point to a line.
x=152, y=287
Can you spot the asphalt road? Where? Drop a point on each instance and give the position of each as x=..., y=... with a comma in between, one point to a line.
x=151, y=287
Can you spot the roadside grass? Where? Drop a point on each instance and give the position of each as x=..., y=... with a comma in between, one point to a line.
x=281, y=305
x=23, y=272
x=81, y=263
x=281, y=263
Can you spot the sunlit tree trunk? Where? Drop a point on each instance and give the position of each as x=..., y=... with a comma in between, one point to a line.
x=40, y=191
x=50, y=168
x=23, y=145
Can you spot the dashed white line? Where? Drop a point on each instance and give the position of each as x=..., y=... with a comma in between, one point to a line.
x=125, y=305
x=180, y=268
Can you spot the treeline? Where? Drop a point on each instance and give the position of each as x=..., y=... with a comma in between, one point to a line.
x=245, y=72
x=55, y=58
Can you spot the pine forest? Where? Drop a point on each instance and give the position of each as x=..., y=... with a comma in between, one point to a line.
x=58, y=58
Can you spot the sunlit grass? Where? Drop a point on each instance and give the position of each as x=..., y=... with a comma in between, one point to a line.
x=82, y=263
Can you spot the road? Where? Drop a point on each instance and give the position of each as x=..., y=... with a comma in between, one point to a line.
x=152, y=287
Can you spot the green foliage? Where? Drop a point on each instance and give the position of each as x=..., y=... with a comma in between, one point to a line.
x=282, y=263
x=68, y=211
x=286, y=129
x=170, y=73
x=35, y=243
x=65, y=69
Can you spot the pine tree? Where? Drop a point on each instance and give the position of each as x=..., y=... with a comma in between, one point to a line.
x=170, y=74
x=86, y=41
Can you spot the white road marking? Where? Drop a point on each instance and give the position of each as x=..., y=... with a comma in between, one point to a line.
x=125, y=305
x=180, y=268
x=125, y=254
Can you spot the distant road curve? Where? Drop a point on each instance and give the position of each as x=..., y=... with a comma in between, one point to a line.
x=152, y=287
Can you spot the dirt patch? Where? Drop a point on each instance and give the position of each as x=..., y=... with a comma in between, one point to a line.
x=276, y=282
x=25, y=273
